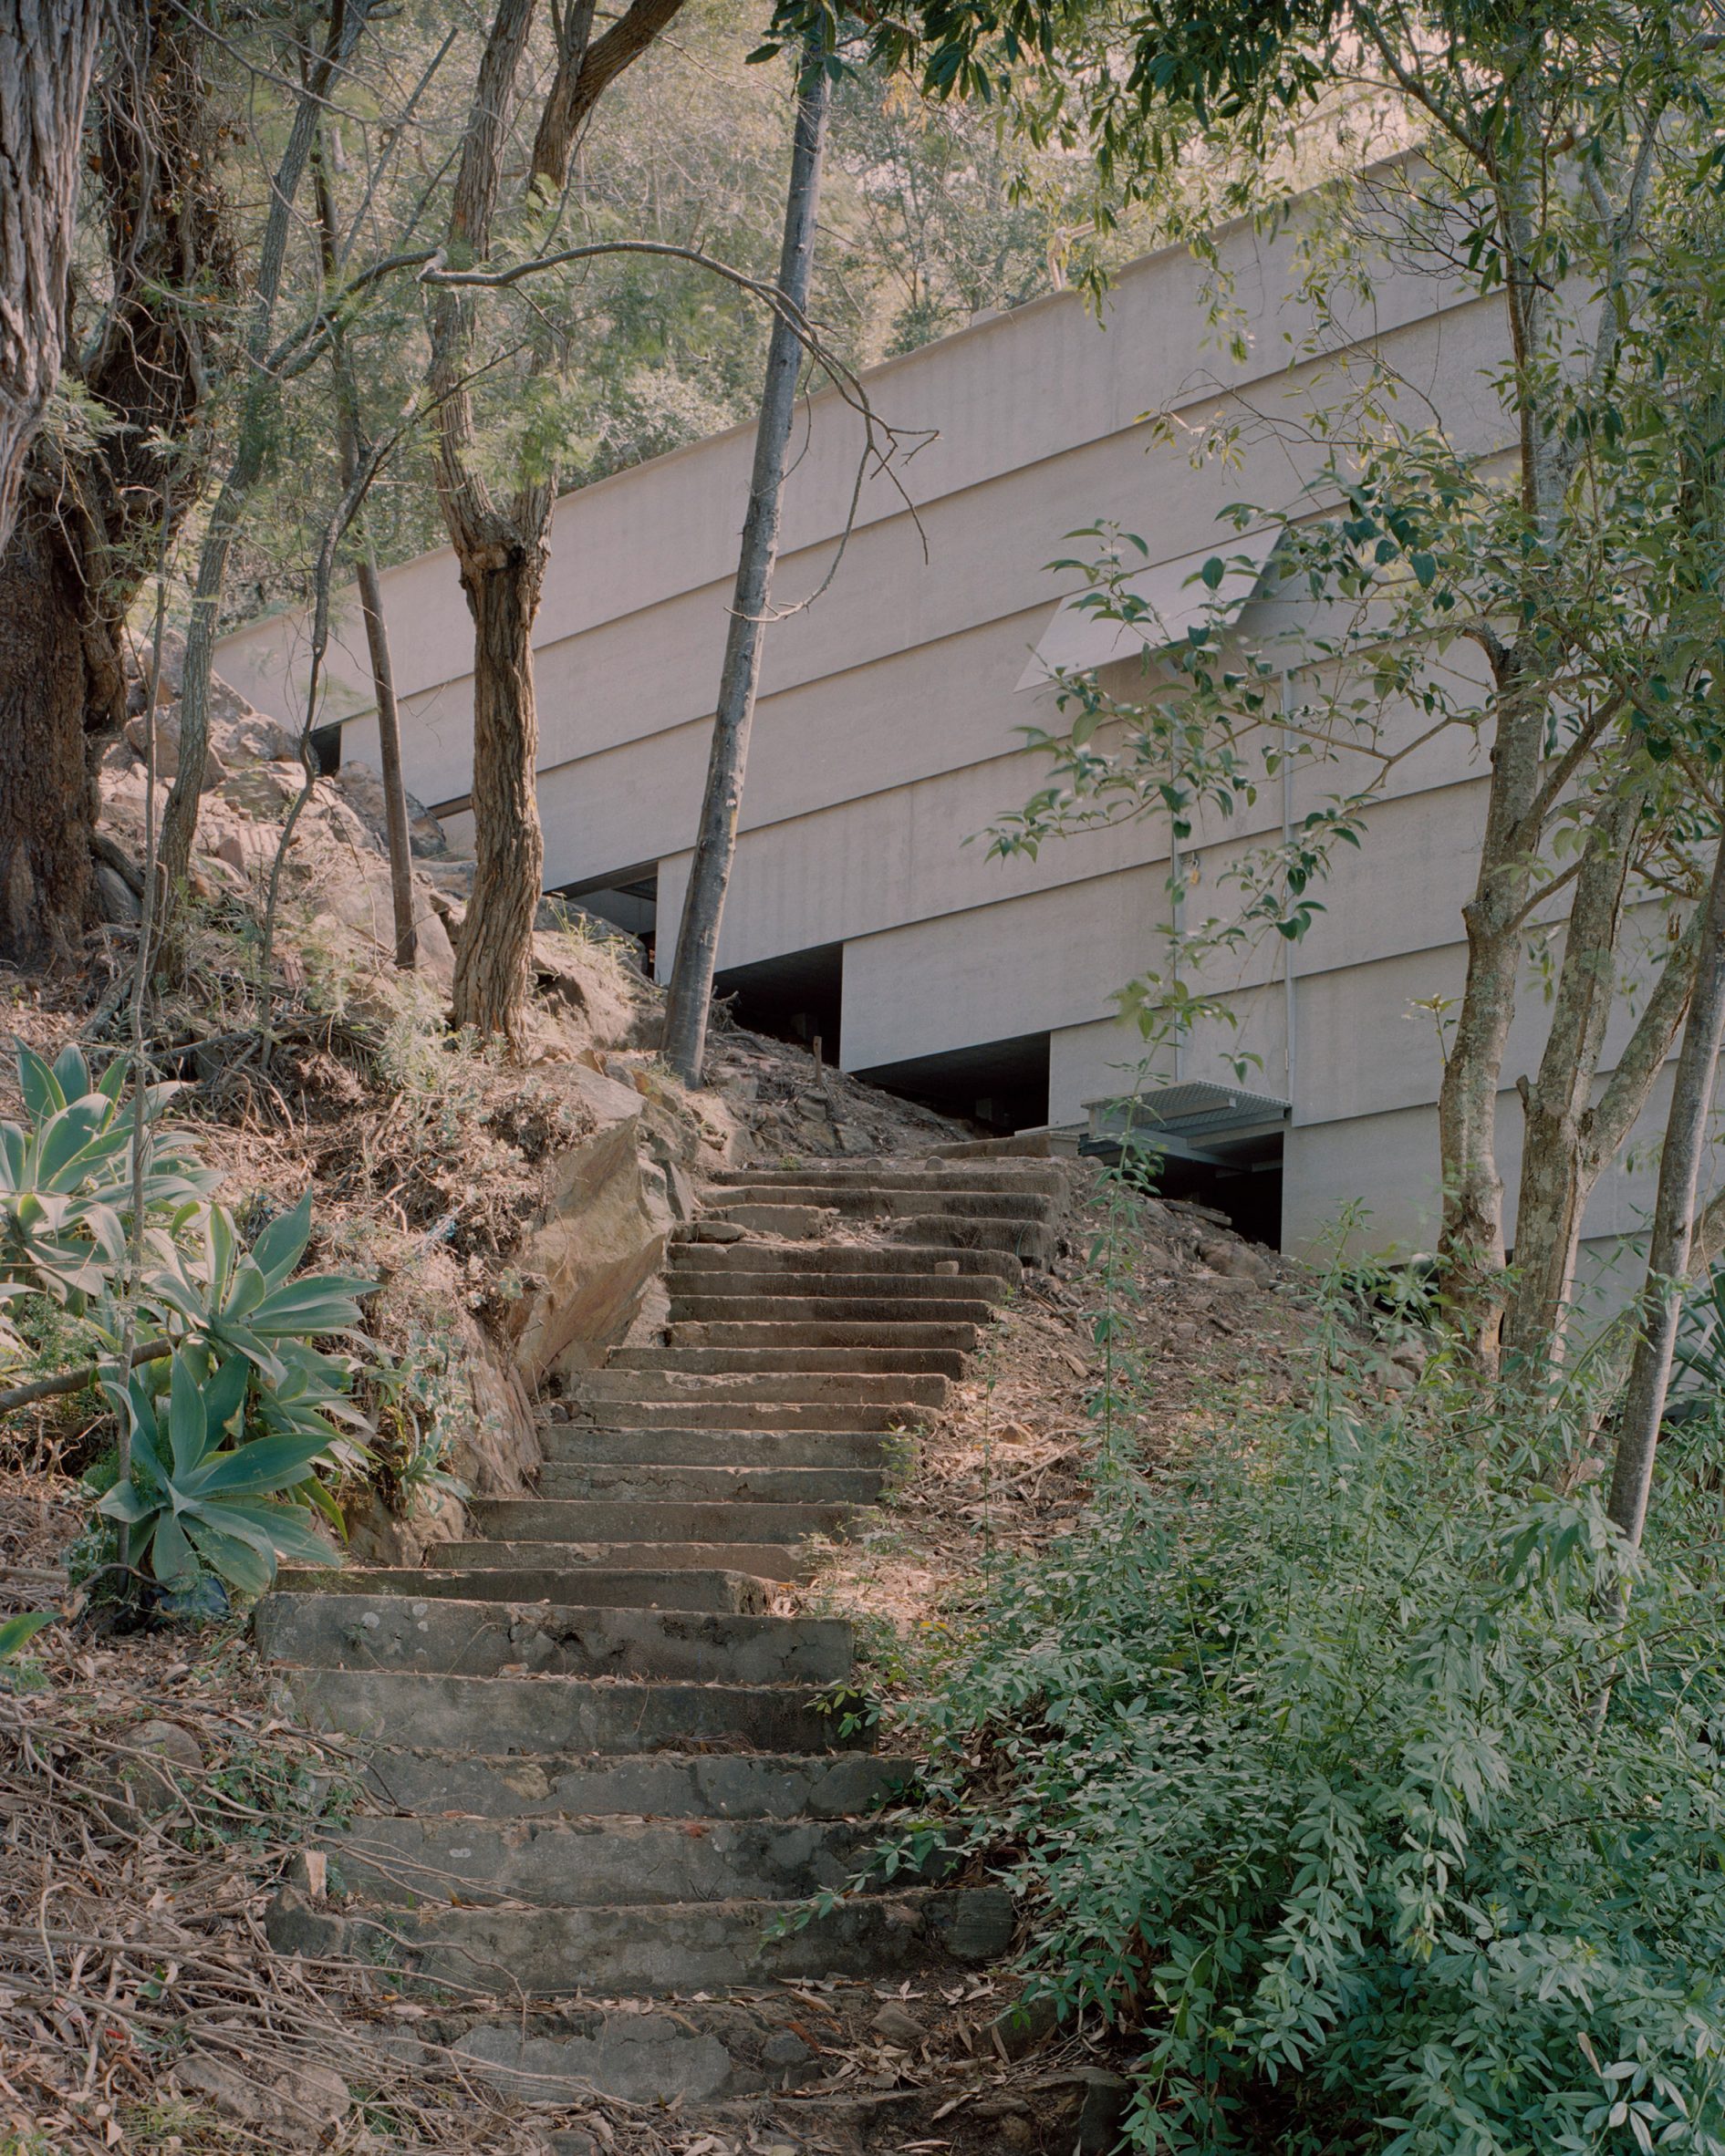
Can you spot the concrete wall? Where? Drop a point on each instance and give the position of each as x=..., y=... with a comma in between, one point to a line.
x=888, y=730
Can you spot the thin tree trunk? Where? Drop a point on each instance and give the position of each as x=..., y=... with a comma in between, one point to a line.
x=47, y=55
x=690, y=994
x=180, y=819
x=353, y=447
x=1670, y=1244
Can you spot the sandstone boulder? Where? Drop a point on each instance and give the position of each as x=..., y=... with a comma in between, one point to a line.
x=597, y=1244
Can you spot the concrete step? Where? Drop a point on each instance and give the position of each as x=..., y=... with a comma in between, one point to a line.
x=552, y=1520
x=875, y=1201
x=880, y=1263
x=670, y=1784
x=781, y=1302
x=483, y=1639
x=528, y=1714
x=902, y=1174
x=656, y=1949
x=768, y=1389
x=675, y=1484
x=777, y=1335
x=571, y=1443
x=739, y=2047
x=597, y=1863
x=591, y=1588
x=766, y=1563
x=1031, y=1242
x=791, y=1362
x=723, y=1413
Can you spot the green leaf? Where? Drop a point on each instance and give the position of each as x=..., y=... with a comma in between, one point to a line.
x=282, y=1244
x=263, y=1468
x=16, y=1632
x=237, y=1561
x=188, y=1425
x=40, y=1087
x=172, y=1557
x=225, y=1394
x=1213, y=571
x=71, y=1072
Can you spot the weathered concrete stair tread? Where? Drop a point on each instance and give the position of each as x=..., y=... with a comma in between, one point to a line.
x=1037, y=1176
x=779, y=1298
x=694, y=1412
x=667, y=1947
x=682, y=1785
x=582, y=1520
x=880, y=1263
x=595, y=1862
x=672, y=1482
x=803, y=1334
x=554, y=1713
x=785, y=1360
x=580, y=1445
x=759, y=1560
x=617, y=1587
x=886, y=1201
x=769, y=1389
x=483, y=1639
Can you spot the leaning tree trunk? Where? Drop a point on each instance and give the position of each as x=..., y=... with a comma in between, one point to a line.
x=47, y=53
x=690, y=993
x=1670, y=1246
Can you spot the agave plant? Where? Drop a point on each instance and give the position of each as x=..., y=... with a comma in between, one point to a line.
x=65, y=1188
x=197, y=1494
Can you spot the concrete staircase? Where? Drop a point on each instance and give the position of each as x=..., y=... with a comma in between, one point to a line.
x=604, y=1771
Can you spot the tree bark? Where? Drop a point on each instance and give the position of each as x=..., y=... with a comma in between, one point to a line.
x=1670, y=1244
x=1471, y=1246
x=47, y=55
x=89, y=531
x=690, y=993
x=1559, y=1163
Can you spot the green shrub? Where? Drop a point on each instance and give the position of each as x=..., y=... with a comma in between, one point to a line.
x=1295, y=1756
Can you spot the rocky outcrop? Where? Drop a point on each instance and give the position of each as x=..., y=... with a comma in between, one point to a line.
x=598, y=1242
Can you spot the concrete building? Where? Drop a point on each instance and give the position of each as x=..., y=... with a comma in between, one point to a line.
x=863, y=905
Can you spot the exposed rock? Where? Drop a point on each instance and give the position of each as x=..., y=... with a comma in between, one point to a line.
x=897, y=2024
x=1023, y=2026
x=597, y=1244
x=720, y=1231
x=238, y=736
x=265, y=790
x=376, y=1536
x=143, y=1789
x=115, y=899
x=296, y=2104
x=362, y=788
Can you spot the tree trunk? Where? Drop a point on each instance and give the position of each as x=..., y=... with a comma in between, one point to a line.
x=48, y=54
x=353, y=450
x=90, y=527
x=502, y=547
x=180, y=819
x=47, y=787
x=690, y=994
x=496, y=942
x=1560, y=1166
x=1472, y=1244
x=1670, y=1245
